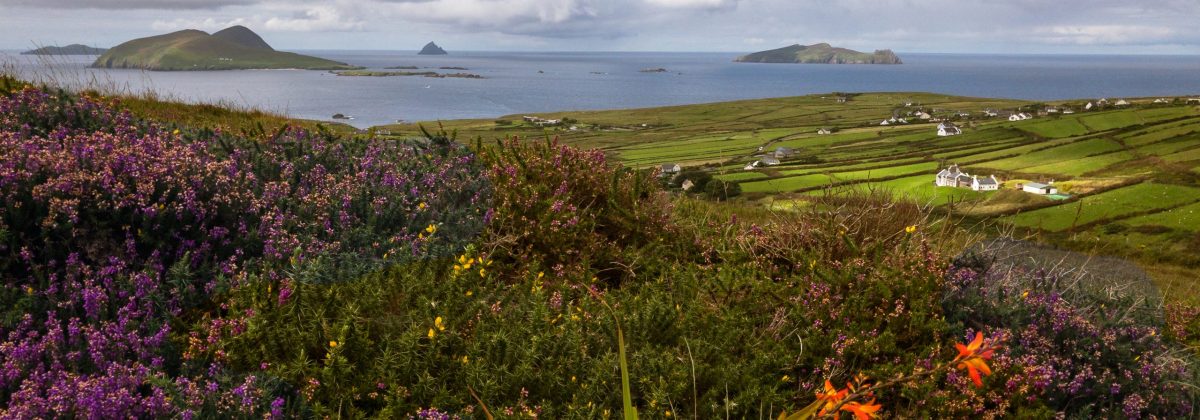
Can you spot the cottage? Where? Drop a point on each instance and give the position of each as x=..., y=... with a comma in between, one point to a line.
x=1020, y=116
x=990, y=113
x=1089, y=106
x=885, y=122
x=769, y=161
x=687, y=185
x=670, y=169
x=1161, y=101
x=1121, y=102
x=1039, y=188
x=1052, y=110
x=842, y=99
x=784, y=152
x=1068, y=111
x=985, y=184
x=1191, y=101
x=824, y=131
x=1102, y=102
x=751, y=166
x=948, y=129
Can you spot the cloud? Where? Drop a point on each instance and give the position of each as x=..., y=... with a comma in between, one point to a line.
x=127, y=4
x=1104, y=34
x=316, y=19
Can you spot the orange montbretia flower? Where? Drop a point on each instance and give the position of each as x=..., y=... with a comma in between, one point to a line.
x=973, y=357
x=863, y=411
x=832, y=396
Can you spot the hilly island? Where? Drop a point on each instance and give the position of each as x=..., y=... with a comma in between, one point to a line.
x=233, y=48
x=820, y=54
x=73, y=49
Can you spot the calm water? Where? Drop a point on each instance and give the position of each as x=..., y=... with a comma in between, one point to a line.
x=579, y=81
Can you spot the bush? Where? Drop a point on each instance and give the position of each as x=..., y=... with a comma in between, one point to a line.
x=722, y=190
x=699, y=179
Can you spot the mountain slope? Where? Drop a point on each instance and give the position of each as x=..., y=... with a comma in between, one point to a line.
x=233, y=48
x=820, y=54
x=432, y=49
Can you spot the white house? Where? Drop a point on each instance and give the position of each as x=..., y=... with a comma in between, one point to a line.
x=769, y=161
x=1068, y=111
x=948, y=129
x=885, y=122
x=951, y=177
x=1193, y=101
x=990, y=113
x=923, y=115
x=1121, y=102
x=670, y=169
x=984, y=184
x=1039, y=188
x=825, y=131
x=1089, y=106
x=1161, y=101
x=687, y=185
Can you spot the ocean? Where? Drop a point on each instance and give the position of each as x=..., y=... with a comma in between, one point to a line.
x=528, y=82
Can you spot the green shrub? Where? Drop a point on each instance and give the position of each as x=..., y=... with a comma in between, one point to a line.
x=722, y=190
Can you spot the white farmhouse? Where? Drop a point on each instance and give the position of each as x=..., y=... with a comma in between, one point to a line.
x=948, y=129
x=951, y=177
x=984, y=184
x=751, y=166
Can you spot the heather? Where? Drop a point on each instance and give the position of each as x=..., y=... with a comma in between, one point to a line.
x=160, y=270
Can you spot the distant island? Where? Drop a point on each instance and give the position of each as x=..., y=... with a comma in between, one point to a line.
x=820, y=54
x=432, y=49
x=73, y=49
x=233, y=48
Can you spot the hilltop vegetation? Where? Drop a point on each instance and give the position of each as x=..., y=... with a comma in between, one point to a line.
x=820, y=54
x=232, y=48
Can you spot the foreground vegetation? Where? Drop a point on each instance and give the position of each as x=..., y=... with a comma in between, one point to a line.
x=152, y=268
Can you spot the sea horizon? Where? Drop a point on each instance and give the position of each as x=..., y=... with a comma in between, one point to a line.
x=596, y=80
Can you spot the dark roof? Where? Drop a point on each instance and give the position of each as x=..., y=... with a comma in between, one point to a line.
x=987, y=181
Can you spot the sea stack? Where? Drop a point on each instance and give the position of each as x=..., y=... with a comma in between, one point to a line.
x=432, y=49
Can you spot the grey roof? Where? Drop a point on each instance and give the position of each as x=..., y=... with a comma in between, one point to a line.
x=1037, y=185
x=987, y=181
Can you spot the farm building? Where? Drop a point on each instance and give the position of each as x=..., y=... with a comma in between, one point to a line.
x=670, y=168
x=952, y=177
x=1039, y=188
x=769, y=161
x=1020, y=116
x=687, y=185
x=825, y=131
x=751, y=166
x=1122, y=102
x=948, y=129
x=784, y=152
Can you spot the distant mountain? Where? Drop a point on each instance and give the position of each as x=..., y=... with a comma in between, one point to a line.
x=233, y=48
x=820, y=54
x=432, y=49
x=73, y=49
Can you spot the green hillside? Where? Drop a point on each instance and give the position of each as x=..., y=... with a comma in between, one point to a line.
x=233, y=48
x=73, y=49
x=820, y=54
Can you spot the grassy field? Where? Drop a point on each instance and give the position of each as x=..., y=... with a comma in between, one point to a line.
x=1111, y=205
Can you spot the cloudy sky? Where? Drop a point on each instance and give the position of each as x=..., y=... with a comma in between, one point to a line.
x=989, y=26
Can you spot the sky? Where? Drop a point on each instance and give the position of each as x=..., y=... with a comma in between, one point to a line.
x=949, y=26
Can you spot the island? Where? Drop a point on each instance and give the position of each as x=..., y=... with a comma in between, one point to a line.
x=653, y=70
x=73, y=49
x=233, y=48
x=432, y=49
x=820, y=54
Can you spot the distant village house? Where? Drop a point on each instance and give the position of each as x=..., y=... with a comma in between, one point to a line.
x=948, y=129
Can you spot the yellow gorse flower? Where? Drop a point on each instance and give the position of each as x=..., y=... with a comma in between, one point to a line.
x=431, y=228
x=431, y=333
x=437, y=322
x=910, y=229
x=421, y=206
x=333, y=343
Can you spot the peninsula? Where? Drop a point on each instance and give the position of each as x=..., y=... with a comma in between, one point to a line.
x=820, y=54
x=233, y=48
x=73, y=49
